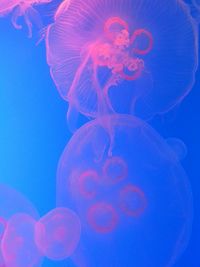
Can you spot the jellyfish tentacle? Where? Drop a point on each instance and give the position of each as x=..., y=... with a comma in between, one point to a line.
x=18, y=12
x=111, y=82
x=104, y=107
x=31, y=16
x=29, y=24
x=77, y=76
x=3, y=223
x=72, y=118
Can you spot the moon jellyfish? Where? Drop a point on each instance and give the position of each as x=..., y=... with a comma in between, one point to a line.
x=133, y=198
x=136, y=57
x=17, y=245
x=12, y=202
x=23, y=8
x=57, y=233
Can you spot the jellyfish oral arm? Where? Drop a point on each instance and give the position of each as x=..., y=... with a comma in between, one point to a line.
x=16, y=14
x=72, y=118
x=77, y=77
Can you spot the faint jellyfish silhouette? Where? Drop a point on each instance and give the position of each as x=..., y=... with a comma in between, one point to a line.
x=12, y=202
x=178, y=146
x=57, y=233
x=23, y=8
x=196, y=3
x=125, y=58
x=134, y=199
x=18, y=246
x=195, y=10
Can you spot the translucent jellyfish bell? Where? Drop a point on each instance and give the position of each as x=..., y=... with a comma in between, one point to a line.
x=17, y=245
x=132, y=196
x=135, y=57
x=57, y=233
x=23, y=8
x=12, y=202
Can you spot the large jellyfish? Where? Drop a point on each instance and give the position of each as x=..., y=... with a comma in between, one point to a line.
x=136, y=57
x=133, y=197
x=23, y=8
x=12, y=202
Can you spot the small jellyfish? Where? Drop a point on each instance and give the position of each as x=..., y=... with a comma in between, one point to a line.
x=23, y=8
x=17, y=245
x=178, y=146
x=57, y=233
x=12, y=202
x=133, y=198
x=126, y=58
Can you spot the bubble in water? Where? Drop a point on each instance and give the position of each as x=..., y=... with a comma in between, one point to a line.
x=133, y=197
x=126, y=58
x=17, y=245
x=57, y=233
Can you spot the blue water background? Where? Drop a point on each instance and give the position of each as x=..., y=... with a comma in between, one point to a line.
x=33, y=129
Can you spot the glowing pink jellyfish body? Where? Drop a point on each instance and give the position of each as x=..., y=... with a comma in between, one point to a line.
x=135, y=57
x=23, y=8
x=17, y=245
x=133, y=198
x=57, y=233
x=12, y=202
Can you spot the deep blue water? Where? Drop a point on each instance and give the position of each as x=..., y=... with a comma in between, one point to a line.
x=33, y=129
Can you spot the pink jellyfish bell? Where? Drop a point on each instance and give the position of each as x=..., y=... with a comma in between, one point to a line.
x=57, y=234
x=17, y=245
x=14, y=228
x=136, y=57
x=133, y=197
x=23, y=8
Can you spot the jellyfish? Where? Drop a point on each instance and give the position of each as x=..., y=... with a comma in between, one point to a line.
x=136, y=57
x=133, y=198
x=12, y=202
x=23, y=8
x=17, y=245
x=57, y=233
